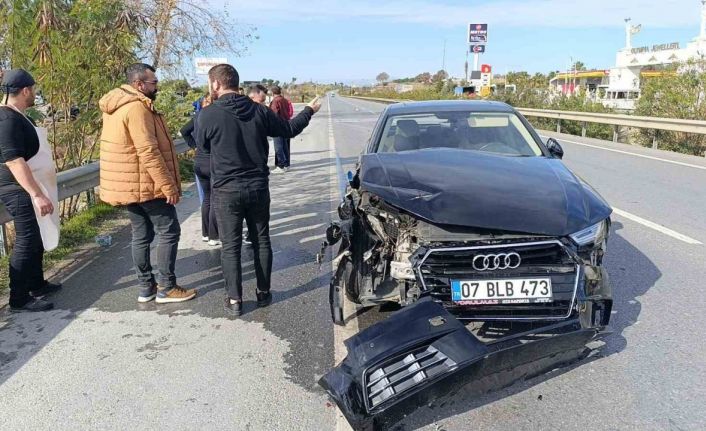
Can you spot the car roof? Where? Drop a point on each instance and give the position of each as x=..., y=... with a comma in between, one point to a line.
x=448, y=105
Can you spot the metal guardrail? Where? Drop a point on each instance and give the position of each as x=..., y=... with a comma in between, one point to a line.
x=615, y=120
x=619, y=120
x=75, y=181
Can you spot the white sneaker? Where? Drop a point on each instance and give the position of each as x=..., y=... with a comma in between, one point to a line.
x=204, y=238
x=278, y=170
x=286, y=169
x=214, y=242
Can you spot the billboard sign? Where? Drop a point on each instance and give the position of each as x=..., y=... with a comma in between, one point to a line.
x=477, y=33
x=485, y=68
x=203, y=65
x=477, y=49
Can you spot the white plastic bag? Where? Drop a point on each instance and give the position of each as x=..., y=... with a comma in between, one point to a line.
x=44, y=172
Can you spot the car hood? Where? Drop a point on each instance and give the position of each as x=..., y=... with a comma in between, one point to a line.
x=535, y=195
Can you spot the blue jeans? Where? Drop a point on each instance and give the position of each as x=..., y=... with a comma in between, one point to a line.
x=147, y=219
x=281, y=152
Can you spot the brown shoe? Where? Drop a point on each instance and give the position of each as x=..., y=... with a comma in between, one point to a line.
x=175, y=294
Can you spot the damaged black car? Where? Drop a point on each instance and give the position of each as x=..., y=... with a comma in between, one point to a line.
x=460, y=213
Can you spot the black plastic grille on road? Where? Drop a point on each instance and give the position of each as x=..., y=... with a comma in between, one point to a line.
x=548, y=259
x=403, y=373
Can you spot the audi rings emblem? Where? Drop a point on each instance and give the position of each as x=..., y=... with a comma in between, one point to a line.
x=493, y=262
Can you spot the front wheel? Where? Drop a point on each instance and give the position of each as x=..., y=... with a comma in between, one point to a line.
x=337, y=294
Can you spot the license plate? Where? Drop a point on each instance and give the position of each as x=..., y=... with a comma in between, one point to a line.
x=514, y=291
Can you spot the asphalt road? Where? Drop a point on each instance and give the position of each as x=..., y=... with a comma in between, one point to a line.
x=100, y=361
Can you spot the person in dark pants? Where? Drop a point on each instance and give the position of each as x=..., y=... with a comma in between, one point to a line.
x=20, y=193
x=139, y=170
x=236, y=129
x=202, y=171
x=280, y=106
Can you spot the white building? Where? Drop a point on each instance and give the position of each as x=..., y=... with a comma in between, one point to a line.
x=619, y=87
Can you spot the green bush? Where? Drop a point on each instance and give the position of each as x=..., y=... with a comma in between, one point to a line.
x=679, y=93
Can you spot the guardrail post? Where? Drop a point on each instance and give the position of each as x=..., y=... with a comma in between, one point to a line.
x=583, y=129
x=90, y=197
x=3, y=240
x=654, y=140
x=616, y=132
x=558, y=125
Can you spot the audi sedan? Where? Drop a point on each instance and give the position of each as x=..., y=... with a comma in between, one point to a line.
x=461, y=214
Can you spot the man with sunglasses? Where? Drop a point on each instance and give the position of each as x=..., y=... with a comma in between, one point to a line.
x=139, y=170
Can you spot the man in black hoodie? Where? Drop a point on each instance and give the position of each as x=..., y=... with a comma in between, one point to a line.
x=235, y=129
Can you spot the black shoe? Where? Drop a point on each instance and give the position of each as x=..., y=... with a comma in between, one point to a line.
x=233, y=309
x=33, y=305
x=45, y=290
x=264, y=299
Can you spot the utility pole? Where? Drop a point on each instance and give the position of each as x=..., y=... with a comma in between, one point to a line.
x=466, y=67
x=702, y=35
x=443, y=61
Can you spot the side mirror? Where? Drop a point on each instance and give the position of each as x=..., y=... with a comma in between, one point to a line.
x=353, y=180
x=555, y=148
x=333, y=234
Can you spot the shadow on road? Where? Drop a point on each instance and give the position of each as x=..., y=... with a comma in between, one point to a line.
x=301, y=210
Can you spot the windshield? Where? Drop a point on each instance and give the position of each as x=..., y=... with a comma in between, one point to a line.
x=492, y=132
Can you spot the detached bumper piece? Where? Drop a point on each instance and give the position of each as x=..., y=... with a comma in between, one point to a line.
x=422, y=353
x=405, y=373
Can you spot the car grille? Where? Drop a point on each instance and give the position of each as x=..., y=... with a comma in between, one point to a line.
x=539, y=259
x=404, y=373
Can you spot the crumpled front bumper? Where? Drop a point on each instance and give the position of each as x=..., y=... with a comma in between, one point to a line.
x=422, y=353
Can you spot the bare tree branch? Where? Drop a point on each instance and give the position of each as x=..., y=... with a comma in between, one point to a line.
x=178, y=29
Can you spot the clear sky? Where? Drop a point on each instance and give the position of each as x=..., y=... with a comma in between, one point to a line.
x=351, y=40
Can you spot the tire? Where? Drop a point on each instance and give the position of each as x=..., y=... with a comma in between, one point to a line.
x=360, y=243
x=336, y=298
x=337, y=316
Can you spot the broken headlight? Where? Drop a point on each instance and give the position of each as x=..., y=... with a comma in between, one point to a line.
x=592, y=235
x=592, y=242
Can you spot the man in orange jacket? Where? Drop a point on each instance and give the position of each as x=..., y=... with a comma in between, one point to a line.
x=139, y=170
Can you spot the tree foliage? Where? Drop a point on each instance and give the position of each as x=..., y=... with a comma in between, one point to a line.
x=77, y=51
x=678, y=93
x=382, y=77
x=578, y=66
x=440, y=76
x=423, y=78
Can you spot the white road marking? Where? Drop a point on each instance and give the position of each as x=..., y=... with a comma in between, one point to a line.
x=291, y=218
x=356, y=121
x=299, y=230
x=340, y=333
x=355, y=105
x=674, y=162
x=657, y=227
x=312, y=239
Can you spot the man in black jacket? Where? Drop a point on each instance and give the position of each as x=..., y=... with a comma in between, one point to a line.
x=235, y=129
